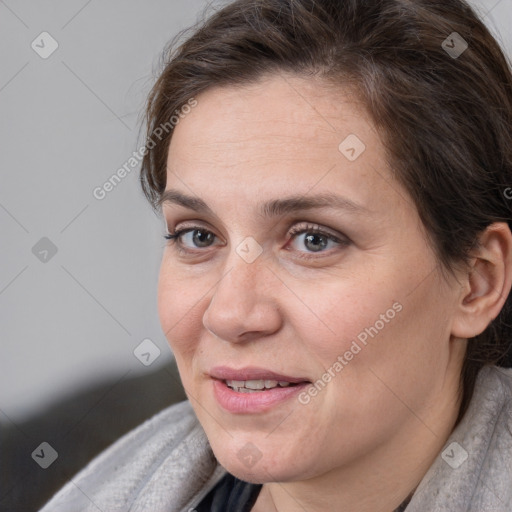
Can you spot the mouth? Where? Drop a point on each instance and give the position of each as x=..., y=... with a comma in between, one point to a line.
x=256, y=386
x=251, y=389
x=252, y=378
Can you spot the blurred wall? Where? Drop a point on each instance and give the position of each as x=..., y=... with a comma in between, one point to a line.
x=79, y=268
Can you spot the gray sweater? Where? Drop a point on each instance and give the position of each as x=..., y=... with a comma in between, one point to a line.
x=166, y=464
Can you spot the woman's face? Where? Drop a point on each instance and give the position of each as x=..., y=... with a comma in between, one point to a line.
x=309, y=265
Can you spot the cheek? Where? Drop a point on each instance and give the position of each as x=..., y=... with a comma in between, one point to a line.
x=343, y=316
x=403, y=353
x=179, y=304
x=360, y=335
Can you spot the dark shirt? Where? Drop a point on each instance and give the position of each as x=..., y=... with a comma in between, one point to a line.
x=234, y=495
x=230, y=495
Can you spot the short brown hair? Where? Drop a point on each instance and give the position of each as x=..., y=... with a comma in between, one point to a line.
x=445, y=119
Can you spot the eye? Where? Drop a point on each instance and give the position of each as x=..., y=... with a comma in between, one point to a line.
x=198, y=237
x=316, y=239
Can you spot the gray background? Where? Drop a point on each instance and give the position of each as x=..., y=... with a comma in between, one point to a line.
x=68, y=122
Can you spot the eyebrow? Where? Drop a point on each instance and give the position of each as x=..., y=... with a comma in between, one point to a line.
x=271, y=208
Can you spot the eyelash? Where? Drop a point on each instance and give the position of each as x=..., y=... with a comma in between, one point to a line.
x=173, y=238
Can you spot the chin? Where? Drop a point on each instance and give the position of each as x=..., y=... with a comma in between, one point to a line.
x=252, y=465
x=258, y=474
x=251, y=476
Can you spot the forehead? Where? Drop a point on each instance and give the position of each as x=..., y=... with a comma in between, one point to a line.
x=281, y=111
x=282, y=133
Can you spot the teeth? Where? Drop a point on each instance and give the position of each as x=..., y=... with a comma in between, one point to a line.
x=255, y=384
x=249, y=386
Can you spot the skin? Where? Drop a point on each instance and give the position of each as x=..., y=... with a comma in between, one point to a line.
x=367, y=439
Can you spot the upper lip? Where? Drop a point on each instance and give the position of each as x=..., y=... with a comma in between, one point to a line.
x=251, y=373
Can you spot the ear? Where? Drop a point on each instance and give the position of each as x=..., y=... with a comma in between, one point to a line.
x=486, y=284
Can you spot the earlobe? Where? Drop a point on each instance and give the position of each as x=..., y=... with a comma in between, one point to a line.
x=487, y=282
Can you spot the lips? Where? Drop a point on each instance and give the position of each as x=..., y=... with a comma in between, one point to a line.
x=245, y=391
x=252, y=373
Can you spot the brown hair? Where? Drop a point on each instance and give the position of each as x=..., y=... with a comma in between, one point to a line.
x=445, y=119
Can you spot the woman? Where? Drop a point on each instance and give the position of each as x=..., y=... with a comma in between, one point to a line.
x=335, y=288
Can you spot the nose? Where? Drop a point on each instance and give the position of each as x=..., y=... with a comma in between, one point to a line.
x=244, y=303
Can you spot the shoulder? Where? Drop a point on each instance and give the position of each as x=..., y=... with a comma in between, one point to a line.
x=498, y=392
x=494, y=391
x=473, y=472
x=148, y=468
x=504, y=377
x=489, y=441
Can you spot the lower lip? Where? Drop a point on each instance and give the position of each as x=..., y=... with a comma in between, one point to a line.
x=259, y=401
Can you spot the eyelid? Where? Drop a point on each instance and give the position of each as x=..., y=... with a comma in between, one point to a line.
x=189, y=226
x=294, y=230
x=307, y=227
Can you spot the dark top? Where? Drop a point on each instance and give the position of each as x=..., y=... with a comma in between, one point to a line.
x=234, y=495
x=230, y=495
